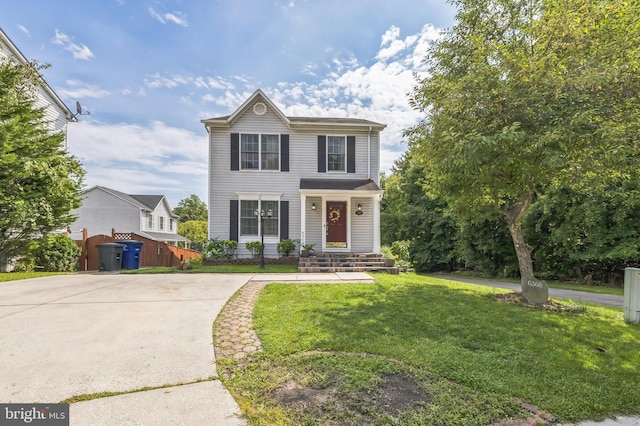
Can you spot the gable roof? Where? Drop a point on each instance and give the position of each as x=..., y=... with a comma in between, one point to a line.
x=144, y=202
x=292, y=122
x=15, y=52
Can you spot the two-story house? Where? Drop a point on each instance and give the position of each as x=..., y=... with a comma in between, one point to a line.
x=56, y=112
x=317, y=177
x=104, y=209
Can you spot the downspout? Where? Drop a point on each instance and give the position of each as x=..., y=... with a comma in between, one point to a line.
x=369, y=155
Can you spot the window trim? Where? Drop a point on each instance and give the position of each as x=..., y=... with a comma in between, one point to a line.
x=344, y=137
x=259, y=168
x=268, y=239
x=161, y=223
x=150, y=221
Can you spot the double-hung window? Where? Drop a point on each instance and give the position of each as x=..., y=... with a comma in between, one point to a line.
x=259, y=152
x=149, y=221
x=161, y=223
x=250, y=222
x=336, y=153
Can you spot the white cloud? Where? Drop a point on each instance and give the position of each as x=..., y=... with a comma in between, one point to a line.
x=175, y=17
x=133, y=158
x=24, y=29
x=77, y=89
x=79, y=51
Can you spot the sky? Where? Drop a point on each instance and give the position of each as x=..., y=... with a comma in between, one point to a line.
x=149, y=70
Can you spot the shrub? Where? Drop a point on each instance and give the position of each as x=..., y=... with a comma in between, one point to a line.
x=230, y=247
x=56, y=253
x=255, y=247
x=214, y=248
x=400, y=251
x=285, y=247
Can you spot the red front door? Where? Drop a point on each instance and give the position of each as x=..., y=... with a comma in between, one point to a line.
x=336, y=224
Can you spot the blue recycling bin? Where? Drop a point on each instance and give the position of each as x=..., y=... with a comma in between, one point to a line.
x=131, y=254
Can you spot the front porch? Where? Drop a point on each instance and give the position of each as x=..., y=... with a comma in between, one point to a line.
x=345, y=262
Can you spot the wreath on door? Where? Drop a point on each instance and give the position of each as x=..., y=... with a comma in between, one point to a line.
x=334, y=215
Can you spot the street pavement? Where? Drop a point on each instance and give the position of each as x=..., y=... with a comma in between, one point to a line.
x=579, y=296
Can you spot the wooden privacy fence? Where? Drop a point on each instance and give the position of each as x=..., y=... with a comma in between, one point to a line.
x=153, y=253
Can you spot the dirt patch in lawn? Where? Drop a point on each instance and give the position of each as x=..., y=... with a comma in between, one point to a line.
x=395, y=394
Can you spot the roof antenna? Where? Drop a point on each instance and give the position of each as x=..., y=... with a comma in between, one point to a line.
x=79, y=110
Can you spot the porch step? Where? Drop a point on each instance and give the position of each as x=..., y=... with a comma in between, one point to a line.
x=344, y=262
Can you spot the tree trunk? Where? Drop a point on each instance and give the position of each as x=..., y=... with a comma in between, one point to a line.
x=533, y=290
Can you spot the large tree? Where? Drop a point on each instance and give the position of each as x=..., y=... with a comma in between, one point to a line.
x=526, y=95
x=191, y=208
x=40, y=182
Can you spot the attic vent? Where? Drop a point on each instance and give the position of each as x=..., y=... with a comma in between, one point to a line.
x=259, y=108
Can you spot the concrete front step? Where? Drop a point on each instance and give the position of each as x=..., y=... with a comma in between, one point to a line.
x=344, y=262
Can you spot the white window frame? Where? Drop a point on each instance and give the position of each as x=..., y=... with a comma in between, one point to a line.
x=260, y=197
x=161, y=223
x=171, y=224
x=344, y=144
x=149, y=220
x=260, y=159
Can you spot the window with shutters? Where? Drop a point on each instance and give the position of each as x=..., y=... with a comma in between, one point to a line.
x=249, y=222
x=336, y=153
x=259, y=152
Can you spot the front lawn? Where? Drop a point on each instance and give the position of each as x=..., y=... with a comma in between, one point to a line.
x=411, y=349
x=13, y=276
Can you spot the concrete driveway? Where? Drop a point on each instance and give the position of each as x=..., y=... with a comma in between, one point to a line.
x=79, y=334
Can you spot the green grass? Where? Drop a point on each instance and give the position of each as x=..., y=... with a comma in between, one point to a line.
x=13, y=276
x=226, y=269
x=599, y=289
x=454, y=337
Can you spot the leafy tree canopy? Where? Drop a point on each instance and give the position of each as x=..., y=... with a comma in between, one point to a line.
x=191, y=208
x=40, y=183
x=526, y=95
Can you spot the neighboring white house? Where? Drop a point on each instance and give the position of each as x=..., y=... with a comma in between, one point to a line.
x=319, y=178
x=56, y=112
x=104, y=209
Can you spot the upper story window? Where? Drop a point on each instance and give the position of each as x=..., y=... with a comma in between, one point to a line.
x=336, y=153
x=259, y=152
x=170, y=224
x=161, y=223
x=149, y=221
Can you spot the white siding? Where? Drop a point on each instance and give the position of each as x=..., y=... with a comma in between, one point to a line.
x=101, y=211
x=162, y=210
x=362, y=225
x=303, y=163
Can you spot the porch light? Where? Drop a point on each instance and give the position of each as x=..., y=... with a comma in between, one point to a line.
x=359, y=211
x=313, y=206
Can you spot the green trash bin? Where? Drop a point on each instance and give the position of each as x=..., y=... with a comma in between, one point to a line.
x=110, y=256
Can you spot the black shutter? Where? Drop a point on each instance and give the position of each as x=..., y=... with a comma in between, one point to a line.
x=351, y=154
x=284, y=153
x=284, y=220
x=233, y=220
x=322, y=154
x=235, y=151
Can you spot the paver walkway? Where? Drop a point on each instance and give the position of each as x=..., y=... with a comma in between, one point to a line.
x=234, y=335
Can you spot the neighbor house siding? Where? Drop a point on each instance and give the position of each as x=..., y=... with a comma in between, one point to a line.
x=101, y=211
